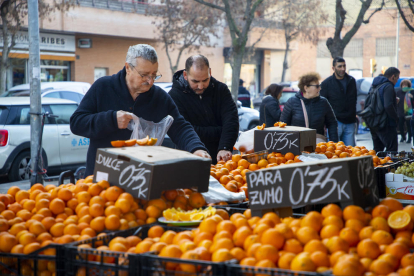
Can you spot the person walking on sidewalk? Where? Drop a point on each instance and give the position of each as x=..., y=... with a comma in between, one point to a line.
x=387, y=137
x=243, y=95
x=402, y=95
x=270, y=107
x=341, y=92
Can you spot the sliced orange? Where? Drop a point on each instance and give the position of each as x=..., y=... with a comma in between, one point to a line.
x=130, y=143
x=143, y=141
x=152, y=141
x=118, y=143
x=261, y=127
x=399, y=220
x=276, y=124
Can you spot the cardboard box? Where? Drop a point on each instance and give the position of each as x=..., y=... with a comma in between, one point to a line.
x=396, y=187
x=287, y=139
x=345, y=180
x=147, y=171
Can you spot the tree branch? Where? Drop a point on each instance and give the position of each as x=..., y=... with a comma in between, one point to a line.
x=232, y=25
x=340, y=18
x=375, y=11
x=365, y=6
x=411, y=28
x=210, y=5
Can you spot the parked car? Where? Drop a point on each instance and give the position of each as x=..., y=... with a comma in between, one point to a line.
x=44, y=86
x=75, y=94
x=288, y=92
x=62, y=150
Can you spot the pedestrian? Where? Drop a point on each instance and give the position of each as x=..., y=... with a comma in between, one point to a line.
x=387, y=136
x=244, y=95
x=207, y=104
x=308, y=109
x=269, y=108
x=341, y=92
x=401, y=93
x=102, y=114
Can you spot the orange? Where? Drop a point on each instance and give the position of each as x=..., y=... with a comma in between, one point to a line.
x=382, y=237
x=111, y=222
x=397, y=249
x=392, y=203
x=273, y=237
x=302, y=262
x=314, y=246
x=71, y=229
x=285, y=260
x=202, y=236
x=98, y=224
x=289, y=156
x=20, y=195
x=57, y=229
x=333, y=220
x=267, y=252
x=65, y=194
x=282, y=228
x=37, y=228
x=29, y=248
x=407, y=259
x=240, y=235
x=337, y=244
x=367, y=248
x=223, y=213
x=96, y=210
x=221, y=243
x=196, y=200
x=104, y=184
x=7, y=242
x=392, y=260
x=380, y=223
x=113, y=210
x=97, y=199
x=320, y=259
x=306, y=234
x=354, y=224
x=250, y=240
x=293, y=246
x=381, y=211
x=347, y=267
x=381, y=267
x=27, y=238
x=238, y=253
x=83, y=196
x=354, y=212
x=248, y=261
x=272, y=216
x=350, y=236
x=156, y=231
x=329, y=231
x=226, y=225
x=168, y=237
x=208, y=225
x=152, y=211
x=366, y=232
x=171, y=251
x=399, y=220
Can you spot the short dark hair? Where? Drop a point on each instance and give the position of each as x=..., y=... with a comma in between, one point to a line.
x=392, y=71
x=274, y=90
x=336, y=60
x=241, y=82
x=198, y=60
x=406, y=82
x=306, y=79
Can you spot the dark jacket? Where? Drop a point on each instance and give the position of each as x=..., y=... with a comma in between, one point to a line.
x=95, y=117
x=244, y=96
x=388, y=98
x=343, y=102
x=269, y=111
x=400, y=106
x=320, y=114
x=213, y=114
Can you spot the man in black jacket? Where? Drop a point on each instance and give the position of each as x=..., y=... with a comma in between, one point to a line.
x=341, y=92
x=387, y=137
x=243, y=95
x=103, y=115
x=207, y=104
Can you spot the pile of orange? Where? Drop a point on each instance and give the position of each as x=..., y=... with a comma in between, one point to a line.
x=339, y=150
x=232, y=174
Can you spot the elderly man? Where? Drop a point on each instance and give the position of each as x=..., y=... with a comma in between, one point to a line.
x=102, y=115
x=207, y=104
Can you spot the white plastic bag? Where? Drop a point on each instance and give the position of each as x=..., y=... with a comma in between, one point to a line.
x=307, y=157
x=142, y=128
x=217, y=193
x=245, y=143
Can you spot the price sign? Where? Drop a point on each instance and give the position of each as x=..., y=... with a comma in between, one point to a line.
x=349, y=181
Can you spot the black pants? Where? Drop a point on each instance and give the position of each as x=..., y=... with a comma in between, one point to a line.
x=389, y=138
x=401, y=122
x=378, y=145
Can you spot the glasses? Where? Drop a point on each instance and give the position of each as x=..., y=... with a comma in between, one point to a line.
x=147, y=77
x=316, y=85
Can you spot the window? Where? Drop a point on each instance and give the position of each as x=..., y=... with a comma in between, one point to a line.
x=322, y=50
x=64, y=111
x=53, y=95
x=54, y=70
x=23, y=116
x=385, y=47
x=354, y=48
x=76, y=97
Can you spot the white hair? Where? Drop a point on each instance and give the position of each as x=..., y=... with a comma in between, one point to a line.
x=144, y=51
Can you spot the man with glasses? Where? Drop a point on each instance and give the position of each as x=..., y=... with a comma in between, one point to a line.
x=341, y=92
x=103, y=115
x=207, y=104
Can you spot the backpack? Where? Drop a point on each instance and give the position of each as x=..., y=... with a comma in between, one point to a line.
x=374, y=113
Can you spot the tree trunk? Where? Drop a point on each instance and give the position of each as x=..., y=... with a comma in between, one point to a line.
x=336, y=47
x=5, y=54
x=285, y=62
x=235, y=76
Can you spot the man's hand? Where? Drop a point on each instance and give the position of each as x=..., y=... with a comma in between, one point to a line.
x=398, y=100
x=224, y=155
x=202, y=153
x=123, y=119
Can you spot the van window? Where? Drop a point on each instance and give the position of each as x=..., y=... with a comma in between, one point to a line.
x=64, y=111
x=23, y=117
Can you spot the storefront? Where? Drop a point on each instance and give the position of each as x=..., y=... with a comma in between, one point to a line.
x=57, y=53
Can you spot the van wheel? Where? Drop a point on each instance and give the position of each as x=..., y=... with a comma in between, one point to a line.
x=18, y=170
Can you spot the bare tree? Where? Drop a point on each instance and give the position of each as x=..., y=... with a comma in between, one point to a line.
x=184, y=25
x=407, y=16
x=300, y=19
x=337, y=44
x=239, y=16
x=12, y=14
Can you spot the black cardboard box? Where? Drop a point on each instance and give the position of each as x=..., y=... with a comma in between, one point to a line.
x=344, y=180
x=286, y=139
x=146, y=171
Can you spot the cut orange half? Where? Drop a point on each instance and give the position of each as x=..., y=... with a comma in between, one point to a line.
x=399, y=220
x=131, y=142
x=143, y=141
x=118, y=144
x=152, y=141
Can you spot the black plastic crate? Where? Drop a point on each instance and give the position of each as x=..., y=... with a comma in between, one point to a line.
x=34, y=263
x=235, y=269
x=397, y=155
x=380, y=173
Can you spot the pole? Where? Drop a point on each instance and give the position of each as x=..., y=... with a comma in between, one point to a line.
x=35, y=100
x=397, y=40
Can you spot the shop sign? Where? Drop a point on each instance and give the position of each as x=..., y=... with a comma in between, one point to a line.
x=48, y=42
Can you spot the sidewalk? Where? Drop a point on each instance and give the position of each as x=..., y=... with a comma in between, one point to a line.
x=366, y=140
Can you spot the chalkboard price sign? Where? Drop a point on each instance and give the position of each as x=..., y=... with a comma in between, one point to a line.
x=348, y=180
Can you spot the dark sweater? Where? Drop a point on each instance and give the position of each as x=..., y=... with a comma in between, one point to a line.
x=320, y=114
x=269, y=111
x=213, y=114
x=95, y=117
x=400, y=106
x=343, y=101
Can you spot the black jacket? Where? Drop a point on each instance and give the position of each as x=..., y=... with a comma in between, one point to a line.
x=343, y=102
x=95, y=117
x=244, y=96
x=320, y=114
x=400, y=106
x=388, y=98
x=269, y=111
x=213, y=114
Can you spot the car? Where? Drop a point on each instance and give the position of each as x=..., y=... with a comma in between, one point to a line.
x=44, y=86
x=287, y=93
x=61, y=149
x=75, y=94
